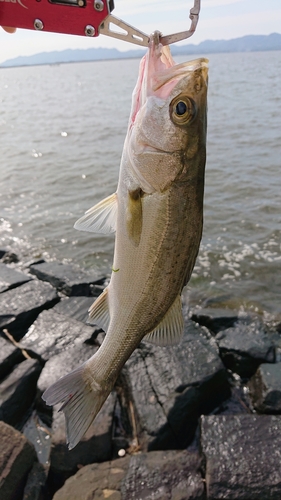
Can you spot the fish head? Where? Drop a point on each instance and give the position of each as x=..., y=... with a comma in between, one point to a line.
x=167, y=126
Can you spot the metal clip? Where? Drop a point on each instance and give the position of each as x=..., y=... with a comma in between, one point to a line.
x=194, y=15
x=131, y=34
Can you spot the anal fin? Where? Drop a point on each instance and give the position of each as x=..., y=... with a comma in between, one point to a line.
x=170, y=329
x=99, y=311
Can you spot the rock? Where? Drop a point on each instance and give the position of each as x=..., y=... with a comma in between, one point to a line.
x=9, y=356
x=265, y=388
x=18, y=390
x=9, y=257
x=242, y=454
x=215, y=319
x=34, y=488
x=9, y=278
x=169, y=475
x=20, y=307
x=171, y=387
x=95, y=482
x=244, y=347
x=67, y=278
x=52, y=333
x=17, y=457
x=75, y=307
x=39, y=434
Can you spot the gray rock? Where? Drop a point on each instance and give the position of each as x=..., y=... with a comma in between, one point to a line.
x=17, y=457
x=169, y=475
x=170, y=388
x=9, y=278
x=67, y=278
x=20, y=307
x=265, y=388
x=75, y=307
x=244, y=347
x=52, y=333
x=242, y=454
x=9, y=356
x=18, y=390
x=215, y=319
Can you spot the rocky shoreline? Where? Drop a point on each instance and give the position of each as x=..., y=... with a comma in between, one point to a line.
x=199, y=421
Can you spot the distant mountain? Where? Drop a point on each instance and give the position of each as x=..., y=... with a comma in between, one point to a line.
x=249, y=43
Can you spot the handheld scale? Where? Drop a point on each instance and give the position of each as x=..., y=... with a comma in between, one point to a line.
x=81, y=17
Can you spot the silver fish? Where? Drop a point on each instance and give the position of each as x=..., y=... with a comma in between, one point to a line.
x=157, y=213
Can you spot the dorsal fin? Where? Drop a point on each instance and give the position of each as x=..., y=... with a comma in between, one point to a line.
x=101, y=218
x=99, y=311
x=170, y=329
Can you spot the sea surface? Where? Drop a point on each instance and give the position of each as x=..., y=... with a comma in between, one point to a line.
x=62, y=129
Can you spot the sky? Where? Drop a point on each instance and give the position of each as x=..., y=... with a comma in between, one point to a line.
x=219, y=19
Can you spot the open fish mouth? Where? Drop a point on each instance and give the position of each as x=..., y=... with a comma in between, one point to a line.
x=159, y=74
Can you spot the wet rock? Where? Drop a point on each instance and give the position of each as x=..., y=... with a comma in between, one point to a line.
x=9, y=356
x=215, y=319
x=171, y=387
x=67, y=278
x=170, y=475
x=10, y=278
x=52, y=333
x=20, y=307
x=39, y=434
x=75, y=307
x=17, y=457
x=9, y=257
x=242, y=454
x=244, y=347
x=17, y=391
x=163, y=475
x=265, y=388
x=34, y=488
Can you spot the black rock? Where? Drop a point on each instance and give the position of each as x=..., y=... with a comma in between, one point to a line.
x=20, y=307
x=18, y=390
x=9, y=257
x=265, y=388
x=52, y=333
x=171, y=387
x=242, y=455
x=244, y=347
x=215, y=319
x=17, y=457
x=9, y=278
x=75, y=307
x=67, y=278
x=9, y=356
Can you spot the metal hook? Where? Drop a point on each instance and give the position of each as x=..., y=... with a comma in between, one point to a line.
x=176, y=37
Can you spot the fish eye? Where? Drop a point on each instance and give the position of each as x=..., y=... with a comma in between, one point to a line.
x=182, y=110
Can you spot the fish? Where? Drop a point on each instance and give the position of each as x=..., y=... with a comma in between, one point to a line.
x=157, y=215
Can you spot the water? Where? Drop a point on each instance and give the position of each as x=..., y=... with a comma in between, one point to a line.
x=62, y=131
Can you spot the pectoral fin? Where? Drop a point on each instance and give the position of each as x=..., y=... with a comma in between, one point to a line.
x=101, y=218
x=99, y=311
x=170, y=329
x=134, y=215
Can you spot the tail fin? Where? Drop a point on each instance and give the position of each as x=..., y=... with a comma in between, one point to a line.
x=82, y=399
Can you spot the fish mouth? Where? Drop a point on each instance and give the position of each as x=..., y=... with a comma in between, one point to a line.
x=159, y=74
